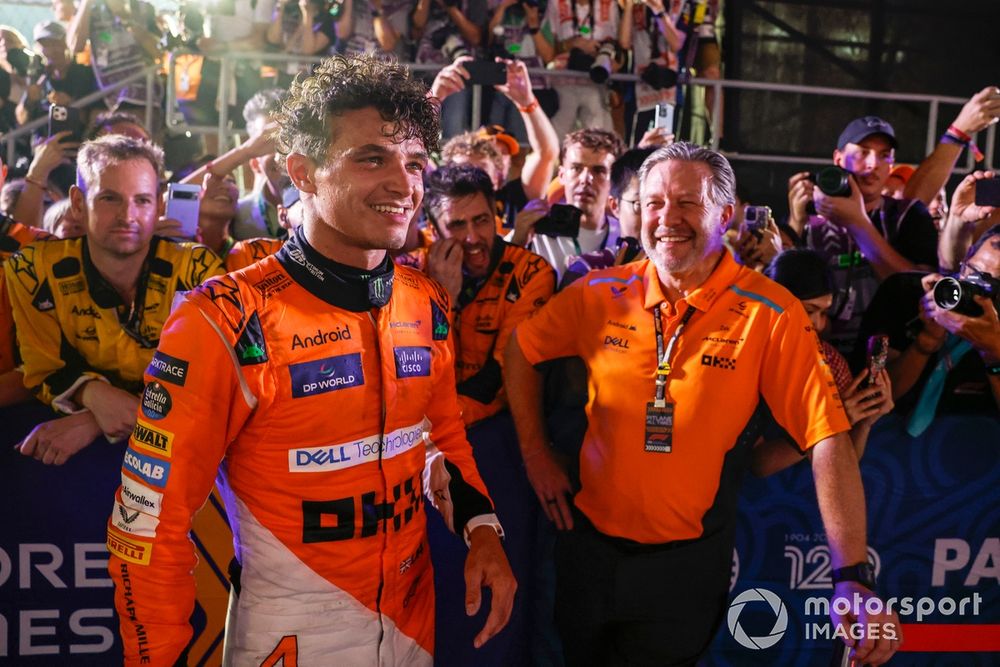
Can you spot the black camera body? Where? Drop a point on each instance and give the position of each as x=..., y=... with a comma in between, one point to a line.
x=562, y=220
x=658, y=77
x=957, y=294
x=833, y=181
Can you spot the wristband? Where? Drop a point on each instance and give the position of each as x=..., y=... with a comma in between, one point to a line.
x=38, y=184
x=953, y=135
x=533, y=31
x=658, y=15
x=863, y=573
x=530, y=108
x=958, y=133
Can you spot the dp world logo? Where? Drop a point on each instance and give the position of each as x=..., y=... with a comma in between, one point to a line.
x=780, y=619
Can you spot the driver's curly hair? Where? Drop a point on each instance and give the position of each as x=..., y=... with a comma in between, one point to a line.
x=347, y=83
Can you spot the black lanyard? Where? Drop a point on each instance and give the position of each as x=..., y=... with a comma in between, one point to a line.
x=663, y=356
x=576, y=21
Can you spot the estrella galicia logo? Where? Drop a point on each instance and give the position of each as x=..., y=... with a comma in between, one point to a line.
x=156, y=402
x=147, y=468
x=318, y=377
x=777, y=607
x=725, y=363
x=167, y=368
x=412, y=361
x=251, y=348
x=439, y=322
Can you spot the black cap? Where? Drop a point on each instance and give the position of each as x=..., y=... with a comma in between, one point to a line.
x=861, y=128
x=802, y=272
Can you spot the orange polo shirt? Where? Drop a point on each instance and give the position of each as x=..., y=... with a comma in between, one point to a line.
x=748, y=340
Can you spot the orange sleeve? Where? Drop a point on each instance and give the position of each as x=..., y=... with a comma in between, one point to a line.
x=193, y=406
x=537, y=337
x=537, y=282
x=798, y=384
x=467, y=489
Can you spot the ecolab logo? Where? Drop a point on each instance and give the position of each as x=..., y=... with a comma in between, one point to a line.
x=152, y=470
x=330, y=374
x=321, y=338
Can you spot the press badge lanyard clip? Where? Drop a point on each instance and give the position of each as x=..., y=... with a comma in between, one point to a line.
x=663, y=368
x=660, y=413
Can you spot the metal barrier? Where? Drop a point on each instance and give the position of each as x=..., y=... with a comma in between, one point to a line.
x=149, y=73
x=934, y=103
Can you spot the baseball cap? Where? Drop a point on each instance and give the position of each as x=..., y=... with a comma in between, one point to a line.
x=48, y=30
x=499, y=133
x=860, y=129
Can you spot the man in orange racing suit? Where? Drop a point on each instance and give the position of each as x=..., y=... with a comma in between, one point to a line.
x=302, y=377
x=493, y=284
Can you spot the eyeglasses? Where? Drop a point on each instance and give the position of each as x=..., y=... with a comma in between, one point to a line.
x=635, y=203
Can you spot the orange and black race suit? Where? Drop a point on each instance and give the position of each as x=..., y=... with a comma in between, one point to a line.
x=316, y=411
x=245, y=253
x=72, y=326
x=518, y=283
x=13, y=235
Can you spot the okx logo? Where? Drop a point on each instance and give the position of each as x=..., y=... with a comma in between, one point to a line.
x=766, y=603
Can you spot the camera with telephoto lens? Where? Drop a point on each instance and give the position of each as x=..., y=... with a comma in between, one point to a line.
x=833, y=181
x=452, y=46
x=957, y=293
x=658, y=77
x=601, y=69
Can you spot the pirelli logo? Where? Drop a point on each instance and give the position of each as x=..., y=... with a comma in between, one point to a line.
x=146, y=436
x=129, y=549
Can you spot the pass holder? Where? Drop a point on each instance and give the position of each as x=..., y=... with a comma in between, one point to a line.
x=660, y=411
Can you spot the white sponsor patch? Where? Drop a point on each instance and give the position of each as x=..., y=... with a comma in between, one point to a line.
x=140, y=497
x=129, y=520
x=356, y=452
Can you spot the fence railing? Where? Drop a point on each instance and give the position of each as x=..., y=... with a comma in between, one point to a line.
x=176, y=122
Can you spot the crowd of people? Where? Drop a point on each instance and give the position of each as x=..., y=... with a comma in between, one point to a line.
x=540, y=283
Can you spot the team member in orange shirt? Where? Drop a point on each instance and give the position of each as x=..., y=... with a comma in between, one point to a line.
x=493, y=285
x=330, y=380
x=679, y=348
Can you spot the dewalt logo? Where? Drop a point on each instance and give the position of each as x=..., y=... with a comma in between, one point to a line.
x=152, y=439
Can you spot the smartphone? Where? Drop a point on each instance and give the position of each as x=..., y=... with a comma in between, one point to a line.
x=755, y=219
x=878, y=354
x=664, y=117
x=988, y=192
x=486, y=72
x=66, y=118
x=182, y=205
x=562, y=220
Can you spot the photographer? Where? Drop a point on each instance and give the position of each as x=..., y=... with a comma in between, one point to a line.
x=123, y=38
x=444, y=31
x=943, y=361
x=588, y=37
x=655, y=43
x=515, y=32
x=864, y=236
x=53, y=78
x=966, y=221
x=374, y=25
x=300, y=27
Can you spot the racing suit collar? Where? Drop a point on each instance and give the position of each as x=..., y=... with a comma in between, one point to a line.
x=470, y=285
x=347, y=287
